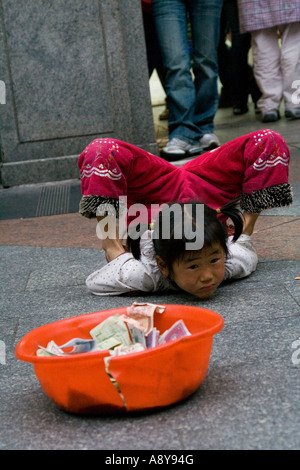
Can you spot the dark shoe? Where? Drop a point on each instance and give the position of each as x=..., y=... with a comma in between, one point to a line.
x=271, y=116
x=238, y=110
x=293, y=113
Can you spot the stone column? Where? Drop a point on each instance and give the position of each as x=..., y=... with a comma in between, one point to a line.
x=72, y=71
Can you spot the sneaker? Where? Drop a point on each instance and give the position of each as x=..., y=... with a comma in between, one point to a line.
x=177, y=149
x=209, y=141
x=271, y=116
x=293, y=113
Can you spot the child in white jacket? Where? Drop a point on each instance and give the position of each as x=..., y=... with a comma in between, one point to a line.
x=156, y=263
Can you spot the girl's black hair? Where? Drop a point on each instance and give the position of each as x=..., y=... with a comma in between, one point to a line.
x=172, y=247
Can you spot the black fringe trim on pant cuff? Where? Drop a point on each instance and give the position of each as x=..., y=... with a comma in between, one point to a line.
x=275, y=196
x=89, y=204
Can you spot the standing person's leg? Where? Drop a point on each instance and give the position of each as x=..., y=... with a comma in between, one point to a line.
x=290, y=60
x=205, y=23
x=152, y=50
x=267, y=71
x=240, y=67
x=171, y=24
x=224, y=60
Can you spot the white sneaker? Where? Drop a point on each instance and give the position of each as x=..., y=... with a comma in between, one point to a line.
x=177, y=148
x=209, y=141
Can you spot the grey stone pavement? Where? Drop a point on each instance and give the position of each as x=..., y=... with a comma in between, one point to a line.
x=250, y=398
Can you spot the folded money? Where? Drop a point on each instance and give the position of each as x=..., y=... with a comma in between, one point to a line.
x=145, y=308
x=141, y=315
x=137, y=335
x=79, y=346
x=122, y=334
x=177, y=330
x=152, y=339
x=51, y=350
x=110, y=333
x=121, y=350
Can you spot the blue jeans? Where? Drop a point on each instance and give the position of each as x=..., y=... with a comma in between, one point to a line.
x=192, y=103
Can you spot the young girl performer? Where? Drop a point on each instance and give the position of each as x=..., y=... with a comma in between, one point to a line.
x=253, y=168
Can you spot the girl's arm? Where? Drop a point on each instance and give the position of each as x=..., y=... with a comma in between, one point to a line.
x=124, y=274
x=242, y=258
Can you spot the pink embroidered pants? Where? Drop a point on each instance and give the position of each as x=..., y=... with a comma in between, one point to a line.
x=253, y=167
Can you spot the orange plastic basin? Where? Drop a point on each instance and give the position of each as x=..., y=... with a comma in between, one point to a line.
x=152, y=378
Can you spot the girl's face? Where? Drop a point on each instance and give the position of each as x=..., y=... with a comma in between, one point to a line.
x=199, y=273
